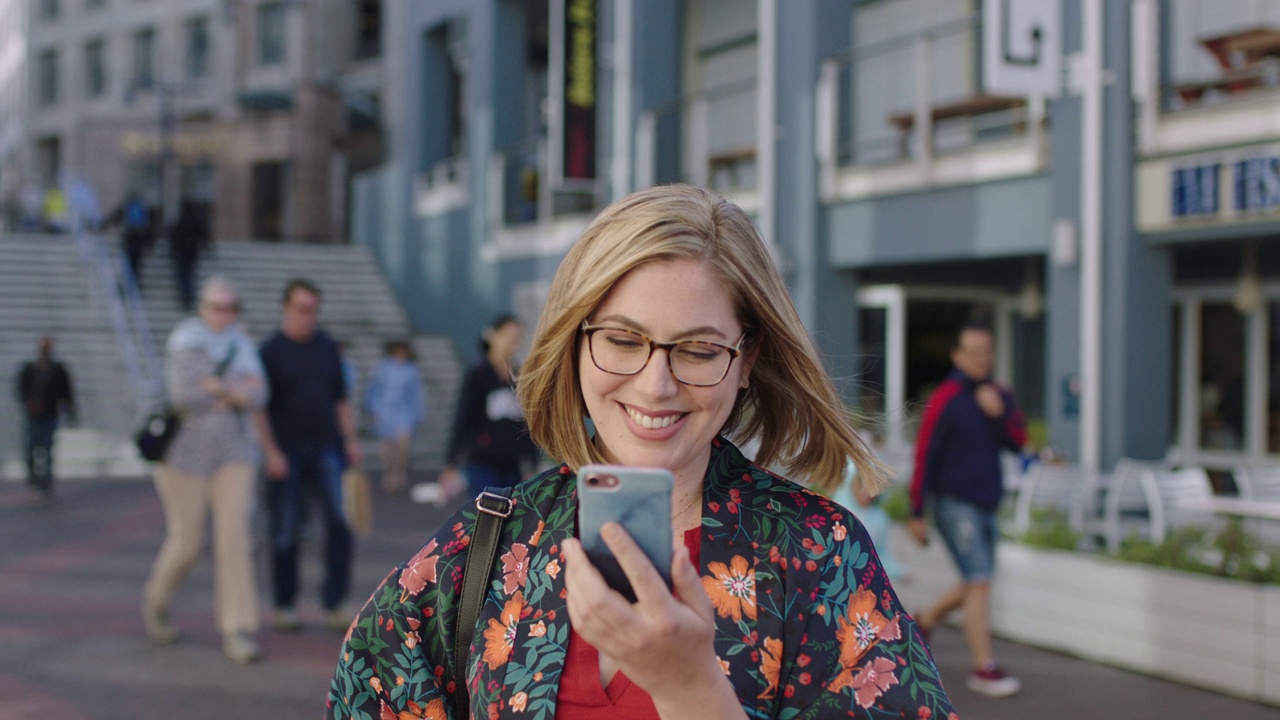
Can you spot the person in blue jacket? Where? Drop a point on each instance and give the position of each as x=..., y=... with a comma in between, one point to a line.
x=967, y=421
x=396, y=408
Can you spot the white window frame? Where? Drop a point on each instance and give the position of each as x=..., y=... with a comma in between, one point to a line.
x=1190, y=299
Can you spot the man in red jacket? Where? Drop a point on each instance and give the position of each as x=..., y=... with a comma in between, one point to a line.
x=967, y=421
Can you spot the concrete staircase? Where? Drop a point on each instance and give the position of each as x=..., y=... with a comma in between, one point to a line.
x=47, y=285
x=45, y=289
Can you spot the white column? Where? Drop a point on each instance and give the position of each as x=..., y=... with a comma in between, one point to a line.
x=766, y=109
x=620, y=180
x=1091, y=86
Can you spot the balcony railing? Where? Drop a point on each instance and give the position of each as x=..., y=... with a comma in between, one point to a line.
x=519, y=194
x=916, y=103
x=1211, y=64
x=706, y=139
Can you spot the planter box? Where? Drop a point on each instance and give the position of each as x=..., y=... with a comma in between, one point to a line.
x=1213, y=633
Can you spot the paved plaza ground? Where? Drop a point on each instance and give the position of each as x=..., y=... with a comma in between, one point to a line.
x=71, y=643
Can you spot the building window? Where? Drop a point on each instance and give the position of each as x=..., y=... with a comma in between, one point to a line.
x=95, y=68
x=1222, y=377
x=48, y=9
x=198, y=48
x=47, y=77
x=368, y=29
x=271, y=33
x=144, y=50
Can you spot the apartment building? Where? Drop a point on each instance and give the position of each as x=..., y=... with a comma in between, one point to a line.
x=258, y=109
x=1113, y=227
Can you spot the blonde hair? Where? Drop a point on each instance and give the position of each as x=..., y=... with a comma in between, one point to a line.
x=791, y=405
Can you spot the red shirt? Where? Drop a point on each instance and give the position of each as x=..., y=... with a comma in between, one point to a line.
x=581, y=697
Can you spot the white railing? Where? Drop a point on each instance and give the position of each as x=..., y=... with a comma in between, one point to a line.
x=914, y=100
x=711, y=135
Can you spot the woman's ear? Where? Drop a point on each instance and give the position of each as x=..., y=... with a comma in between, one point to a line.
x=749, y=357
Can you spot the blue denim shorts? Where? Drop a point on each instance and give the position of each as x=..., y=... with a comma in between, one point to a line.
x=971, y=534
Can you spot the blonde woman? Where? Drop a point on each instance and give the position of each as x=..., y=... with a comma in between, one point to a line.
x=669, y=326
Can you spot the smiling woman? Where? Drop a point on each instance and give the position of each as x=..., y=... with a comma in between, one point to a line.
x=668, y=326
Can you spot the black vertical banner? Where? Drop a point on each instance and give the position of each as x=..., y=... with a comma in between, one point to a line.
x=579, y=160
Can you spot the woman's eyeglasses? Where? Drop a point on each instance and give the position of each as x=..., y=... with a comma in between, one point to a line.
x=692, y=362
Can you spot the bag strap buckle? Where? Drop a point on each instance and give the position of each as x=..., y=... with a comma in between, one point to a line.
x=495, y=504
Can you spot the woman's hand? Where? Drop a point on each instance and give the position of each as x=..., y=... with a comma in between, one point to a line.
x=663, y=642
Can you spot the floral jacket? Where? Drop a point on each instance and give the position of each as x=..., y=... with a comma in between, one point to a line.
x=808, y=625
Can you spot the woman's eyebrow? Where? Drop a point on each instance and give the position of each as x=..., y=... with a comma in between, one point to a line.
x=633, y=325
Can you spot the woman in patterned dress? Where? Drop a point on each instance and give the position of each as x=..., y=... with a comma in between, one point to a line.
x=669, y=326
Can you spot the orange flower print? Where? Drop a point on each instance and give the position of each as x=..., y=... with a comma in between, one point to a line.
x=519, y=701
x=499, y=637
x=433, y=711
x=732, y=589
x=411, y=640
x=376, y=684
x=538, y=630
x=839, y=532
x=553, y=569
x=724, y=665
x=770, y=665
x=874, y=678
x=421, y=570
x=537, y=534
x=864, y=628
x=515, y=568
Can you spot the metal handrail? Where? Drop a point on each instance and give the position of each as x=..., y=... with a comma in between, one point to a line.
x=115, y=285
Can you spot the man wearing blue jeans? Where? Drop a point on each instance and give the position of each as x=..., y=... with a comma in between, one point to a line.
x=967, y=421
x=308, y=435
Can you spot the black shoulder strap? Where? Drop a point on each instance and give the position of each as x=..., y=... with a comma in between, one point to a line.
x=494, y=505
x=222, y=367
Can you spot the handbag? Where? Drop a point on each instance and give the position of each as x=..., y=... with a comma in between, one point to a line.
x=161, y=427
x=157, y=433
x=495, y=506
x=357, y=501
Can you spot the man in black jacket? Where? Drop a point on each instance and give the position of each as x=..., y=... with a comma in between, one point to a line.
x=43, y=387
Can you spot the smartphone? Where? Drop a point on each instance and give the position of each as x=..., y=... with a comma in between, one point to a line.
x=638, y=499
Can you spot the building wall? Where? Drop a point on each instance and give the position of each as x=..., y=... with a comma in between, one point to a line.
x=946, y=224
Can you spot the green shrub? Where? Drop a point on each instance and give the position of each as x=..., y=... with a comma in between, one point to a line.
x=1050, y=528
x=1231, y=553
x=896, y=502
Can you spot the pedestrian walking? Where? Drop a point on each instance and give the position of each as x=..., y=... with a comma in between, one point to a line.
x=669, y=325
x=393, y=399
x=967, y=421
x=489, y=439
x=214, y=380
x=188, y=238
x=309, y=436
x=43, y=389
x=136, y=237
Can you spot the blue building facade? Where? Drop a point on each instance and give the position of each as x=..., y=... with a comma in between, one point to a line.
x=1113, y=230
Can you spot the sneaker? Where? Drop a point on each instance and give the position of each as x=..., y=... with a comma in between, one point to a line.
x=993, y=681
x=286, y=620
x=156, y=622
x=240, y=648
x=337, y=619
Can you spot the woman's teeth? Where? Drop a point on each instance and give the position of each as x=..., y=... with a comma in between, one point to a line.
x=652, y=423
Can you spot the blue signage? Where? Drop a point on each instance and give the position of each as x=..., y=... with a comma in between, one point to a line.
x=1195, y=191
x=1257, y=184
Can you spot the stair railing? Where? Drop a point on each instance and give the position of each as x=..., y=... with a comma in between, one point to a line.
x=115, y=285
